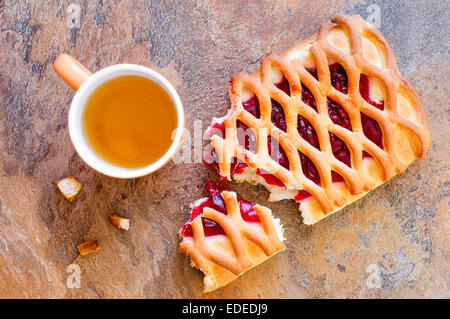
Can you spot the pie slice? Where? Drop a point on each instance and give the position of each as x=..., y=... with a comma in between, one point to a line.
x=226, y=235
x=323, y=123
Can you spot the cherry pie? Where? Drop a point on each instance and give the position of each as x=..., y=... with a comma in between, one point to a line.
x=323, y=123
x=226, y=235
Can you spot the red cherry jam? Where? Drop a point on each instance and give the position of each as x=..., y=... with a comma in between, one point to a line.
x=215, y=201
x=252, y=106
x=277, y=116
x=338, y=77
x=371, y=128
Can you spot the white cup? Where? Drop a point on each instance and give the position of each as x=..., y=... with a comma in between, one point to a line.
x=85, y=83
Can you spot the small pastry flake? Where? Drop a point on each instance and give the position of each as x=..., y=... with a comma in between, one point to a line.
x=226, y=235
x=119, y=222
x=89, y=247
x=69, y=187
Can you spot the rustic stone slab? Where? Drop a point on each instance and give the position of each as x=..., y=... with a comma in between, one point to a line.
x=393, y=243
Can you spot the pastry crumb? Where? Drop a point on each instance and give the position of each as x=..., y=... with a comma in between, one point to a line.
x=119, y=222
x=69, y=187
x=89, y=247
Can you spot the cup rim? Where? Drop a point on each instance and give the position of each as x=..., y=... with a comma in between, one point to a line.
x=78, y=106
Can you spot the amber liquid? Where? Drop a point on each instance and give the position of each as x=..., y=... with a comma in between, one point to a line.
x=129, y=120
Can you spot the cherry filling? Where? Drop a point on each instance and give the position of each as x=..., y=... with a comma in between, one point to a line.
x=215, y=201
x=309, y=169
x=338, y=115
x=338, y=77
x=277, y=116
x=371, y=128
x=252, y=106
x=246, y=137
x=277, y=153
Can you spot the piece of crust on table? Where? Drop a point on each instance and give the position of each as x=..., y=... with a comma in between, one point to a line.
x=69, y=187
x=224, y=240
x=339, y=109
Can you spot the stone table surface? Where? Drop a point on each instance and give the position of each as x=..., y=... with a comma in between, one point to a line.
x=393, y=243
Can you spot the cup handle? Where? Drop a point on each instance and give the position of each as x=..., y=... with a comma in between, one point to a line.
x=71, y=71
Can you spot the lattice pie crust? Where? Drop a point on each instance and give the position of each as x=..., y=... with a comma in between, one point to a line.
x=360, y=49
x=223, y=258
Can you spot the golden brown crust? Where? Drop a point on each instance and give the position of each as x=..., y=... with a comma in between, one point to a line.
x=244, y=246
x=361, y=40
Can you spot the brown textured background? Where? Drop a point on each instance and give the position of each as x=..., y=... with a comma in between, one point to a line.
x=401, y=227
